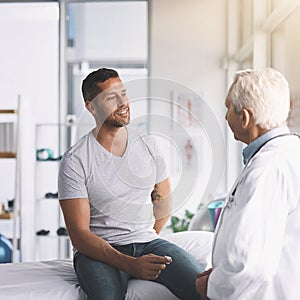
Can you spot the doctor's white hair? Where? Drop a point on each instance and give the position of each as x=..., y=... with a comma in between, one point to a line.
x=264, y=92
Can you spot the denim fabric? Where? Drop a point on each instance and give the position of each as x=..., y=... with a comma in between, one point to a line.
x=104, y=282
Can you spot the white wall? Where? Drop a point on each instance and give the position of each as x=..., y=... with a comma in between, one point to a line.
x=29, y=56
x=187, y=47
x=29, y=67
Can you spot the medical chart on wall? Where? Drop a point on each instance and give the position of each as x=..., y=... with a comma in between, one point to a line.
x=186, y=109
x=187, y=132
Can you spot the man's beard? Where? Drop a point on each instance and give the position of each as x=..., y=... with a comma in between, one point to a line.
x=116, y=122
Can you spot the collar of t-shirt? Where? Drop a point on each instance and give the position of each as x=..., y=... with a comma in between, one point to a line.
x=249, y=151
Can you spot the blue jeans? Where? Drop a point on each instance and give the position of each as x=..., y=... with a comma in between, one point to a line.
x=103, y=282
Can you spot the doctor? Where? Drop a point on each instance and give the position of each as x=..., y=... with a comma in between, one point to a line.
x=256, y=252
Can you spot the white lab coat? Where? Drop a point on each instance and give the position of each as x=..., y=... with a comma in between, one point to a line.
x=256, y=253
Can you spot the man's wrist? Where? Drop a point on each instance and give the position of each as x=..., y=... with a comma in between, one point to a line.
x=127, y=263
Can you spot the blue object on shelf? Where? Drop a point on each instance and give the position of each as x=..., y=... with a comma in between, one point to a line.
x=214, y=209
x=46, y=154
x=5, y=250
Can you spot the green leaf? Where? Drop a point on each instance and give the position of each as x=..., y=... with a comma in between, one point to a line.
x=188, y=214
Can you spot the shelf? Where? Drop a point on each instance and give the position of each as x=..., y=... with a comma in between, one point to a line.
x=62, y=237
x=48, y=160
x=8, y=111
x=6, y=216
x=8, y=116
x=47, y=199
x=48, y=215
x=8, y=154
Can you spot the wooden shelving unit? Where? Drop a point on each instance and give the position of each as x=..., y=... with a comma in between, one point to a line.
x=9, y=150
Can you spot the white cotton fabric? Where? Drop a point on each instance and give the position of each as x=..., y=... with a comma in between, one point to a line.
x=118, y=188
x=56, y=279
x=256, y=253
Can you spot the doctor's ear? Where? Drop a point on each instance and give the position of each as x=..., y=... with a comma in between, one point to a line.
x=246, y=117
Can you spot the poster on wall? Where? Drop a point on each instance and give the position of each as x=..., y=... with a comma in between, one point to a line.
x=186, y=132
x=186, y=153
x=186, y=109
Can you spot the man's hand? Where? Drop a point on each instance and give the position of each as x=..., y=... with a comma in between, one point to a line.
x=148, y=267
x=201, y=284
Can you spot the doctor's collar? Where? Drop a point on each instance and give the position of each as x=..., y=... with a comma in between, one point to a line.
x=253, y=147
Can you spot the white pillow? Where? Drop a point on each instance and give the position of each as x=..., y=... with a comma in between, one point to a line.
x=197, y=243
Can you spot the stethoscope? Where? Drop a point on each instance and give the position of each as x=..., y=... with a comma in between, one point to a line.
x=230, y=199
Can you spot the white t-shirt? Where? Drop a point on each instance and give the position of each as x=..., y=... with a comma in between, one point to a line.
x=118, y=188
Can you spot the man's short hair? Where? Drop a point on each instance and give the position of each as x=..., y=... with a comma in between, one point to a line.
x=90, y=88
